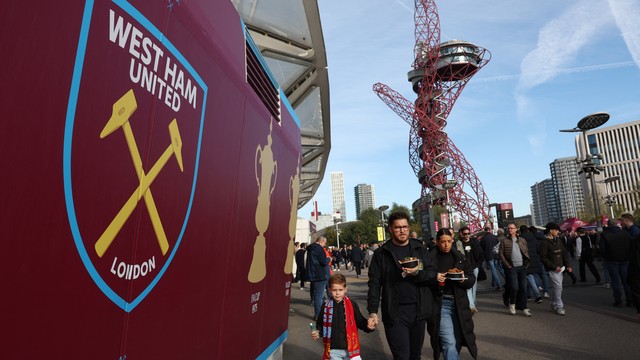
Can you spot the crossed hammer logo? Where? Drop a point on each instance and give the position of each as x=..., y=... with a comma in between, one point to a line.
x=122, y=111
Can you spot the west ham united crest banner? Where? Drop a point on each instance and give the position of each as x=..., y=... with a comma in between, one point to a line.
x=133, y=132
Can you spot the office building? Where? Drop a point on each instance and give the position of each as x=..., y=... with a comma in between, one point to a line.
x=337, y=194
x=567, y=187
x=619, y=148
x=545, y=206
x=365, y=197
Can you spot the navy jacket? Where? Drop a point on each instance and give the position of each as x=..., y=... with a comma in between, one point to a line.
x=317, y=263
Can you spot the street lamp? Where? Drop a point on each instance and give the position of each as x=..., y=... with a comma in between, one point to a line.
x=589, y=166
x=382, y=209
x=336, y=221
x=610, y=199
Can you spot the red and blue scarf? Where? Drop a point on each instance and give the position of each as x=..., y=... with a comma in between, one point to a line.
x=353, y=342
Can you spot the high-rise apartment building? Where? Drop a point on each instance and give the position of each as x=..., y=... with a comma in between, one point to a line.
x=619, y=147
x=337, y=194
x=545, y=206
x=567, y=187
x=365, y=197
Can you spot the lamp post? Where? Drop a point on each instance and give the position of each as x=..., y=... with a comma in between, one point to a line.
x=382, y=209
x=336, y=220
x=589, y=166
x=610, y=199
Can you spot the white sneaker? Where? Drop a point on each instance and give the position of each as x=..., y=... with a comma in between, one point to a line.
x=512, y=309
x=560, y=311
x=546, y=295
x=526, y=312
x=553, y=308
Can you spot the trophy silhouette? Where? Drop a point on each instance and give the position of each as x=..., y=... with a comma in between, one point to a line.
x=268, y=172
x=294, y=192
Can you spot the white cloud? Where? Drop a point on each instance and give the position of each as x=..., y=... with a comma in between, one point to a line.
x=626, y=14
x=402, y=4
x=560, y=40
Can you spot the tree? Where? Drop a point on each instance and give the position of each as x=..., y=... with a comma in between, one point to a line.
x=330, y=234
x=368, y=231
x=396, y=207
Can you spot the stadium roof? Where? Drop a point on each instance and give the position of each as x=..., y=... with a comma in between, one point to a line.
x=289, y=35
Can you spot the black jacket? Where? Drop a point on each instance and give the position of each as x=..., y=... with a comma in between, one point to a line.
x=553, y=254
x=384, y=275
x=615, y=244
x=302, y=271
x=535, y=266
x=356, y=254
x=462, y=307
x=472, y=251
x=487, y=243
x=339, y=323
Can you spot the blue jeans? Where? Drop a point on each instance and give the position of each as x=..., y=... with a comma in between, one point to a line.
x=450, y=332
x=545, y=280
x=317, y=293
x=494, y=267
x=471, y=293
x=337, y=354
x=618, y=272
x=533, y=286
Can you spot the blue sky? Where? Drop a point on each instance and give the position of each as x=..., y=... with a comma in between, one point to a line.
x=552, y=63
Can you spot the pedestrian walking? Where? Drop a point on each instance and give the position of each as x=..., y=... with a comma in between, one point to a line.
x=535, y=264
x=341, y=318
x=401, y=290
x=556, y=260
x=470, y=248
x=539, y=236
x=634, y=273
x=615, y=246
x=584, y=253
x=318, y=271
x=301, y=273
x=452, y=327
x=490, y=246
x=514, y=255
x=356, y=259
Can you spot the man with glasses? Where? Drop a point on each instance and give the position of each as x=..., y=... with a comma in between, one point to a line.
x=514, y=255
x=470, y=248
x=407, y=301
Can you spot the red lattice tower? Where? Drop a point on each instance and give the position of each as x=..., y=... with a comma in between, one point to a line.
x=440, y=72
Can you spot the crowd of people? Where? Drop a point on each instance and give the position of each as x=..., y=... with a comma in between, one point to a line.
x=421, y=287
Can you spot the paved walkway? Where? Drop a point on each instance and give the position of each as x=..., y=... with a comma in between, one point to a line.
x=591, y=329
